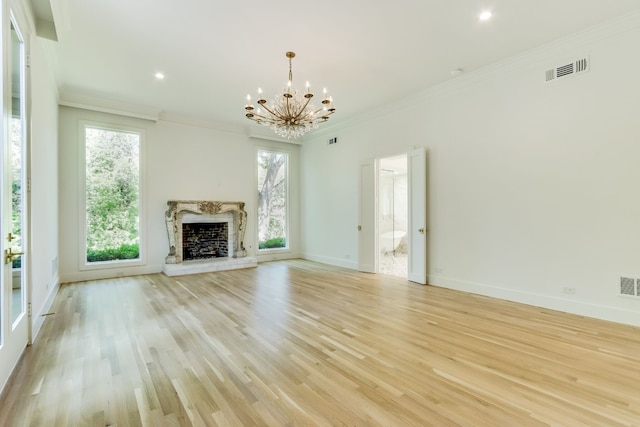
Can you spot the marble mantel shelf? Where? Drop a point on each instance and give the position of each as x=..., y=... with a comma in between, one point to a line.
x=179, y=208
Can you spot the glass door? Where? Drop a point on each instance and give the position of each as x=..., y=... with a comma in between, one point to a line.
x=14, y=256
x=14, y=317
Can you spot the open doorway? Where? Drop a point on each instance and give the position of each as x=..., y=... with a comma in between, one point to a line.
x=393, y=216
x=370, y=227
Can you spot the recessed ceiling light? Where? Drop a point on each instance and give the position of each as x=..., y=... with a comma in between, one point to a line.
x=486, y=15
x=159, y=76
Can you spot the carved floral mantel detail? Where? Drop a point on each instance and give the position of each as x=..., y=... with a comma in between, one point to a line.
x=178, y=208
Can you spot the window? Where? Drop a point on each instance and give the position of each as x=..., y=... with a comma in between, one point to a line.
x=273, y=201
x=112, y=208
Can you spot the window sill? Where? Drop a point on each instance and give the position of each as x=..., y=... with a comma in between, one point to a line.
x=103, y=265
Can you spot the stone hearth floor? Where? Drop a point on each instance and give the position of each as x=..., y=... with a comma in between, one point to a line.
x=208, y=265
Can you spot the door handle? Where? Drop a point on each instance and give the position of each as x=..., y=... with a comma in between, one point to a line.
x=421, y=230
x=9, y=255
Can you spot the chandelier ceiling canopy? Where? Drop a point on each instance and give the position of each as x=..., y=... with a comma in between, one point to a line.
x=290, y=114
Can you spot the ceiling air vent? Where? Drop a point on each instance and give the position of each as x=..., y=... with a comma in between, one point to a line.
x=569, y=69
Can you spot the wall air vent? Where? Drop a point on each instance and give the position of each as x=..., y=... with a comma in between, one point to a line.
x=628, y=286
x=568, y=69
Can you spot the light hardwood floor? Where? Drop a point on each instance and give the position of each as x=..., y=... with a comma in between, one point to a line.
x=297, y=343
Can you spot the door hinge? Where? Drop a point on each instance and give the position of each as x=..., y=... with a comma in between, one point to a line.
x=29, y=309
x=27, y=60
x=28, y=184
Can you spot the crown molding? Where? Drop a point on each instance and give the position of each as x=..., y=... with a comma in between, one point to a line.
x=87, y=102
x=264, y=133
x=201, y=123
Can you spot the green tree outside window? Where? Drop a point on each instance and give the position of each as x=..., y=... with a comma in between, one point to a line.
x=112, y=194
x=272, y=200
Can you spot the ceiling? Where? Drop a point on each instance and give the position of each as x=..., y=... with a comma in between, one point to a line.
x=365, y=53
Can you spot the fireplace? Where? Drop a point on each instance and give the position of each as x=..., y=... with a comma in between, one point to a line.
x=205, y=236
x=202, y=240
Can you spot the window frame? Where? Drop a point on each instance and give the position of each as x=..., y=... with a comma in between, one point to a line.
x=83, y=265
x=287, y=248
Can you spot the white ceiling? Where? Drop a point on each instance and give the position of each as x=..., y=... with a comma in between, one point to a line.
x=366, y=53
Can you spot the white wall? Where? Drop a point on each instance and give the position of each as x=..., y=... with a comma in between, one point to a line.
x=44, y=184
x=183, y=162
x=533, y=186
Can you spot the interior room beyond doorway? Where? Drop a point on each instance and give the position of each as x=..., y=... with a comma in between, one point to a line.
x=392, y=216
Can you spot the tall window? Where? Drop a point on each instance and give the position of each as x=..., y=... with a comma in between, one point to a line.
x=112, y=194
x=272, y=200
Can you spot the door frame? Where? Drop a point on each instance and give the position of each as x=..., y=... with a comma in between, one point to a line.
x=368, y=256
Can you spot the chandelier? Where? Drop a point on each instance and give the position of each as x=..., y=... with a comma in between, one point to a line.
x=290, y=114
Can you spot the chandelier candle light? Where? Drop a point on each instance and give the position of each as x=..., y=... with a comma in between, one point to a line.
x=291, y=113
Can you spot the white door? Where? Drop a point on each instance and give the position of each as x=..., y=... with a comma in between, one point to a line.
x=14, y=321
x=367, y=241
x=417, y=238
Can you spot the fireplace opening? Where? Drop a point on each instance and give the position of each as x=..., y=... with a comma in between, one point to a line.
x=204, y=240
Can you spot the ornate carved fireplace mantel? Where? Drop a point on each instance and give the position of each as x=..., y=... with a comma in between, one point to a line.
x=178, y=209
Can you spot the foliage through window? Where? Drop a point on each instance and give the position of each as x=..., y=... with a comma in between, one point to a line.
x=272, y=200
x=16, y=185
x=112, y=194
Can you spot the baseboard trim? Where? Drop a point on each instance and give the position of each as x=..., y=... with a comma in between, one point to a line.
x=110, y=273
x=581, y=308
x=331, y=261
x=36, y=324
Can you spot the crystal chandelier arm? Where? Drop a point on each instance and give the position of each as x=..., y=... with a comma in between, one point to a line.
x=257, y=117
x=327, y=107
x=297, y=116
x=328, y=112
x=270, y=111
x=262, y=119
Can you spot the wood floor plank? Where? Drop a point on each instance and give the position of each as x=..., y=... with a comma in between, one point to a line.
x=300, y=343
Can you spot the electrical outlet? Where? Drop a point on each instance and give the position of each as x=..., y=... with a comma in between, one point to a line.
x=568, y=290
